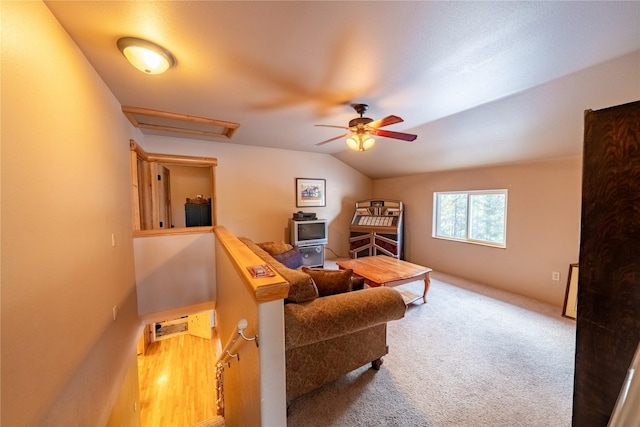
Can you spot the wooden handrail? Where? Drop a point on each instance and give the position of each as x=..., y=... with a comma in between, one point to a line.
x=225, y=355
x=239, y=332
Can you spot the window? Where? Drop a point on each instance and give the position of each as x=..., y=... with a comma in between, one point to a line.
x=471, y=216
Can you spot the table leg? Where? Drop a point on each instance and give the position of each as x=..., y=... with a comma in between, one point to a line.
x=427, y=283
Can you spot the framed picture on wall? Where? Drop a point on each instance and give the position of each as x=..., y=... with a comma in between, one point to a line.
x=571, y=297
x=310, y=192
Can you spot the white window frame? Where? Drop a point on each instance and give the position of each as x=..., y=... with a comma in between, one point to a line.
x=466, y=239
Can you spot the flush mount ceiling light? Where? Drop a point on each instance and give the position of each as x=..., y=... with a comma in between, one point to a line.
x=146, y=56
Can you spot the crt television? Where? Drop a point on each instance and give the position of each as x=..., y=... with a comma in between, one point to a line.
x=306, y=233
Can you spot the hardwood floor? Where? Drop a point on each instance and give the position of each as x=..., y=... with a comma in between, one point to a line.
x=177, y=381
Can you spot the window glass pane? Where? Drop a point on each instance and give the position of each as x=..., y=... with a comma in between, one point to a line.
x=471, y=216
x=486, y=217
x=452, y=216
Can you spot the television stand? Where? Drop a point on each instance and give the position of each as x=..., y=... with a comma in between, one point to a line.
x=312, y=255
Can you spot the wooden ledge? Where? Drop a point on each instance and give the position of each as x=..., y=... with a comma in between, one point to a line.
x=264, y=289
x=172, y=231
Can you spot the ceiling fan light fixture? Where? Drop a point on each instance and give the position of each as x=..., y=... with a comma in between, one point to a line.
x=360, y=142
x=361, y=128
x=146, y=56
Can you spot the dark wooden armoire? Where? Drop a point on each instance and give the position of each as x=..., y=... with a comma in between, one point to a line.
x=197, y=212
x=608, y=319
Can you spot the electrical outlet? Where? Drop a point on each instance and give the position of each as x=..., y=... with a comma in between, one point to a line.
x=113, y=240
x=115, y=312
x=555, y=276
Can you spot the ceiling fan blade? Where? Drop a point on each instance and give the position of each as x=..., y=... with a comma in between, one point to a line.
x=332, y=126
x=395, y=135
x=333, y=139
x=385, y=121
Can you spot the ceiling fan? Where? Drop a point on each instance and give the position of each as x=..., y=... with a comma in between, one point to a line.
x=361, y=128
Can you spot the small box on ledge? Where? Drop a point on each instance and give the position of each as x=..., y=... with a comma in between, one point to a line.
x=257, y=271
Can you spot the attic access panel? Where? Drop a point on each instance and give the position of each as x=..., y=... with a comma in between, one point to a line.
x=164, y=122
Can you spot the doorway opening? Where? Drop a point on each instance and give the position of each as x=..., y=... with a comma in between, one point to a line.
x=168, y=189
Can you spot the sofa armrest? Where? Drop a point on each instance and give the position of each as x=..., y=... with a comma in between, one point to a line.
x=336, y=315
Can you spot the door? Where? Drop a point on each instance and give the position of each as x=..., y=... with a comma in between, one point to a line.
x=164, y=196
x=608, y=315
x=200, y=324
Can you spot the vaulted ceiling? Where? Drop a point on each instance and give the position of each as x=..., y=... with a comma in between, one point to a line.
x=480, y=83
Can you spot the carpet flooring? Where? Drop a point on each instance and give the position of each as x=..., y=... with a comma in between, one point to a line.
x=471, y=356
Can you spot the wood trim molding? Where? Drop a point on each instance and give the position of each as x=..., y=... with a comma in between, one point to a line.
x=172, y=159
x=172, y=231
x=166, y=122
x=135, y=191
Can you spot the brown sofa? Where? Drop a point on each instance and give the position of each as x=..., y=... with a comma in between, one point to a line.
x=327, y=336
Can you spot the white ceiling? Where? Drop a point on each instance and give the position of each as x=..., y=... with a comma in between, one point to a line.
x=479, y=82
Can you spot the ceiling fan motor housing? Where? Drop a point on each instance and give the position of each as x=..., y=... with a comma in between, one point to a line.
x=359, y=121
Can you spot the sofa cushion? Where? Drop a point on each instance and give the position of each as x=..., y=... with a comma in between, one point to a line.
x=291, y=258
x=357, y=282
x=301, y=289
x=330, y=282
x=275, y=248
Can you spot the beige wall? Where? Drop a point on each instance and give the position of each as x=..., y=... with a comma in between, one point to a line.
x=255, y=187
x=543, y=225
x=174, y=271
x=65, y=191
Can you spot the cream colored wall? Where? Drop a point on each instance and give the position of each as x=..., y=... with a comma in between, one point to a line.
x=65, y=191
x=543, y=225
x=174, y=271
x=255, y=187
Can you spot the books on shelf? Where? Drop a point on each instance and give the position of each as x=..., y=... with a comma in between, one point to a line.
x=260, y=271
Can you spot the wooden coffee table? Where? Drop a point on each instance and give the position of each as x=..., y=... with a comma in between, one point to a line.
x=384, y=270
